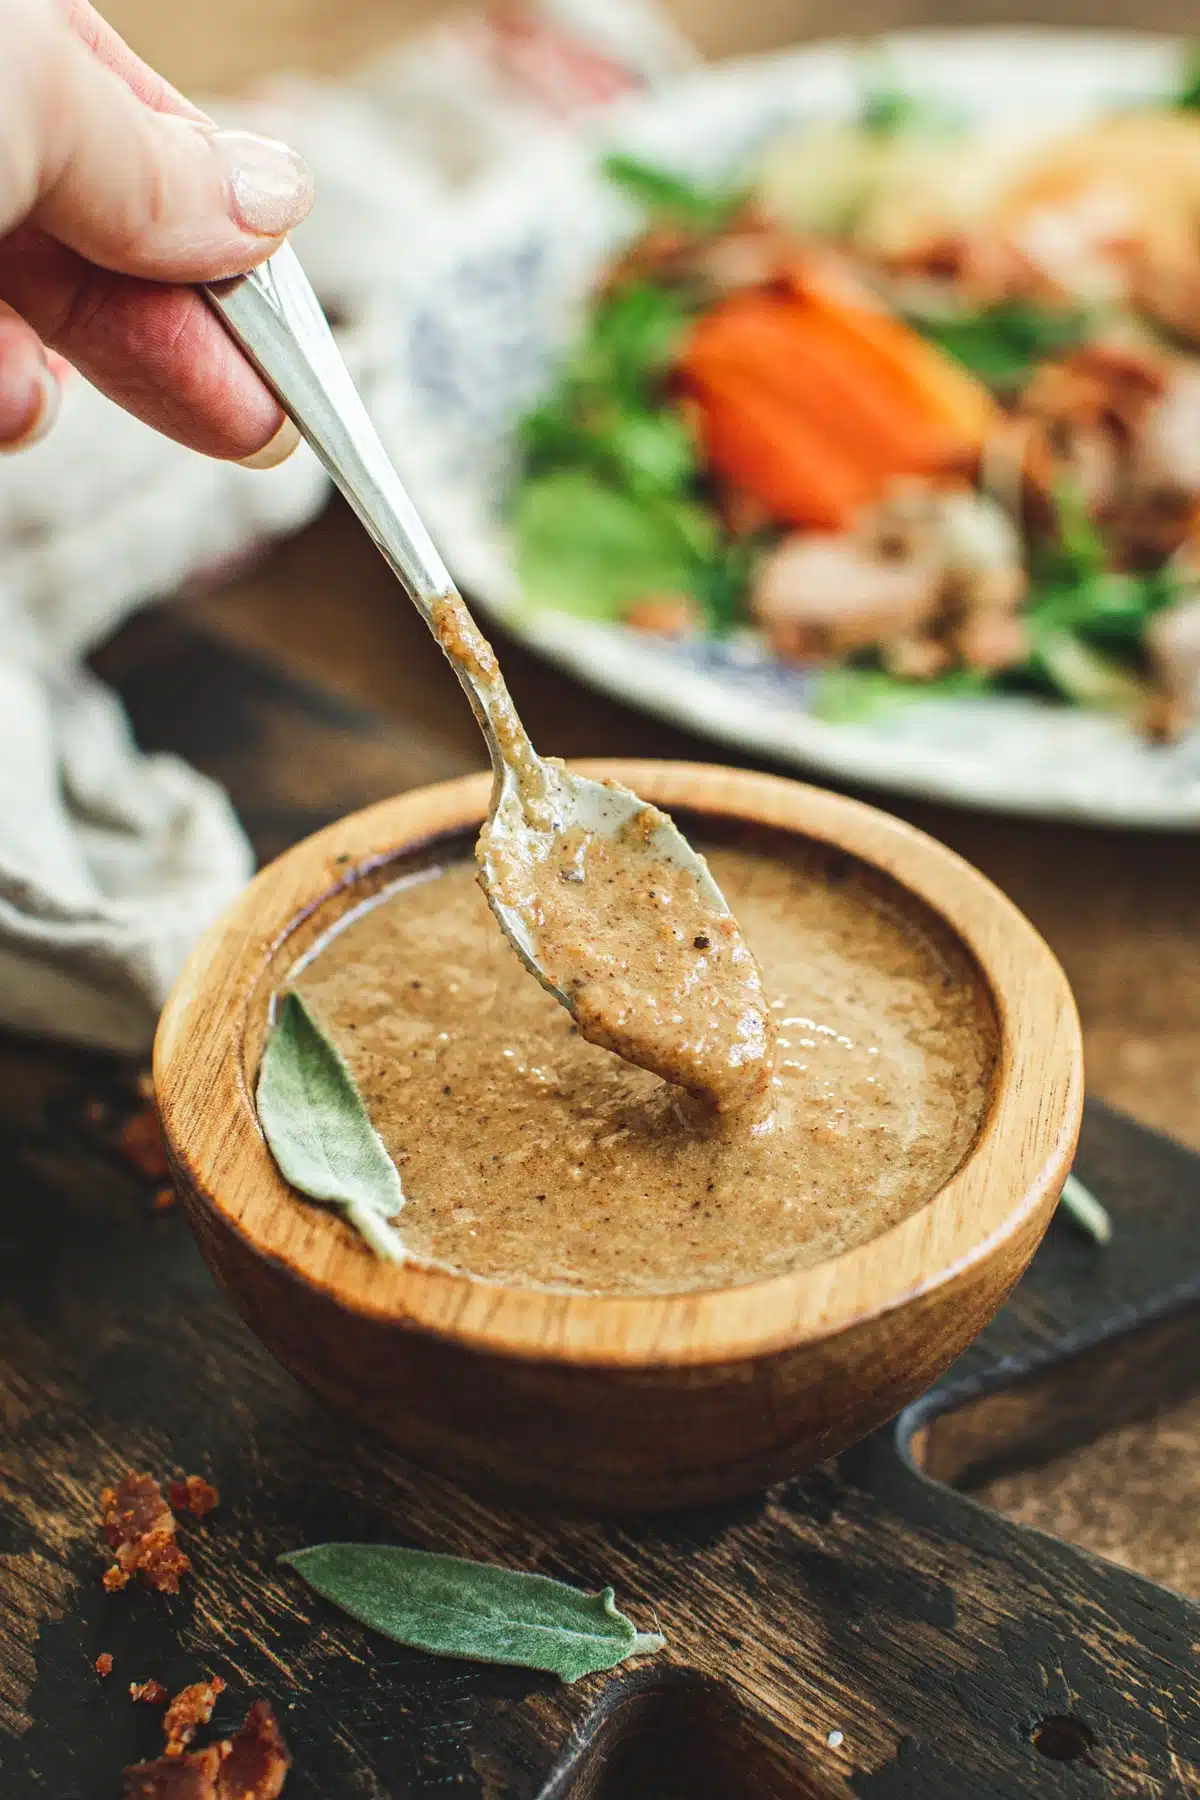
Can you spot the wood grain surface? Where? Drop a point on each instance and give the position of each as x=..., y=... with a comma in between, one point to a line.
x=956, y=1654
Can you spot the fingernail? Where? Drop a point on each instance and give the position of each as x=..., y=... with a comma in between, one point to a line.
x=269, y=186
x=275, y=451
x=45, y=398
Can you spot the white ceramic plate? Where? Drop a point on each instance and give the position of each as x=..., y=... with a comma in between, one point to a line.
x=498, y=294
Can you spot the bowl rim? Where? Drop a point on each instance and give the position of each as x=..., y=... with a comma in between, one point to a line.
x=1006, y=1186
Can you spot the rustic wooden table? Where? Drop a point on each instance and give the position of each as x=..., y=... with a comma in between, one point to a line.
x=82, y=1382
x=1122, y=911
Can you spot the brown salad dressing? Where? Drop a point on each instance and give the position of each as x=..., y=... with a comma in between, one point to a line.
x=651, y=969
x=648, y=964
x=533, y=1157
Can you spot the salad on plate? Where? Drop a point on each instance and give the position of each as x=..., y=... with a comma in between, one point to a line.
x=915, y=403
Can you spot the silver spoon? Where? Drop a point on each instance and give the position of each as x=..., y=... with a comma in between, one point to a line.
x=273, y=314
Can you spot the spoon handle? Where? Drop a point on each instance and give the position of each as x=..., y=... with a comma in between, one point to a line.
x=276, y=318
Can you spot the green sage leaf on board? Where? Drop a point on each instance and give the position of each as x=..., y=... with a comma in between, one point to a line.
x=1085, y=1211
x=319, y=1131
x=453, y=1607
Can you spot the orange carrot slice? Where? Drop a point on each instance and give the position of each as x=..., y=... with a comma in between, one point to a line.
x=901, y=356
x=759, y=444
x=875, y=421
x=810, y=400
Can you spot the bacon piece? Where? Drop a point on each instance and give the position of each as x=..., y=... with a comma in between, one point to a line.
x=186, y=1777
x=194, y=1495
x=140, y=1527
x=258, y=1761
x=191, y=1708
x=141, y=1143
x=252, y=1765
x=150, y=1693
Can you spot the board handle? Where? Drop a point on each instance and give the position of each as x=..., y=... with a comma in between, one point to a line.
x=1094, y=1336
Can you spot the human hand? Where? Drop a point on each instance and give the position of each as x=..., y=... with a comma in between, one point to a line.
x=113, y=191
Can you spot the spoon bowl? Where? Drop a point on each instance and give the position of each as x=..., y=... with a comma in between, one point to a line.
x=603, y=809
x=598, y=1401
x=609, y=906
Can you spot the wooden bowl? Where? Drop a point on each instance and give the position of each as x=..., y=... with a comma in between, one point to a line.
x=612, y=1402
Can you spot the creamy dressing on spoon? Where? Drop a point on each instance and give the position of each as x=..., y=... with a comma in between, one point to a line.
x=651, y=969
x=611, y=910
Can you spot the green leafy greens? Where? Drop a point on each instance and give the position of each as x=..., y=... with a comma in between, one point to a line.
x=319, y=1131
x=1002, y=344
x=671, y=197
x=888, y=110
x=1086, y=624
x=605, y=415
x=608, y=511
x=1085, y=619
x=589, y=548
x=452, y=1607
x=613, y=507
x=1187, y=96
x=860, y=693
x=630, y=342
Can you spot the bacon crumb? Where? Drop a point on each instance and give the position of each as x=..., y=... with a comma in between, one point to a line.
x=191, y=1708
x=257, y=1759
x=252, y=1765
x=164, y=1199
x=149, y=1693
x=140, y=1528
x=194, y=1495
x=189, y=1777
x=141, y=1143
x=104, y=1664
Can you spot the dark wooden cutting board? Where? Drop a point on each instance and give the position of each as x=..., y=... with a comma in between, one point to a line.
x=960, y=1657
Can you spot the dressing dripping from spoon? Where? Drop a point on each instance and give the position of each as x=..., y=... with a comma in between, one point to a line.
x=599, y=893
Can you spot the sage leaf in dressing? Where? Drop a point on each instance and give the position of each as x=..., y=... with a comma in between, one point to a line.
x=319, y=1130
x=453, y=1607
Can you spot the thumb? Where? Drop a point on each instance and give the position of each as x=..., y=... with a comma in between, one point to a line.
x=156, y=194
